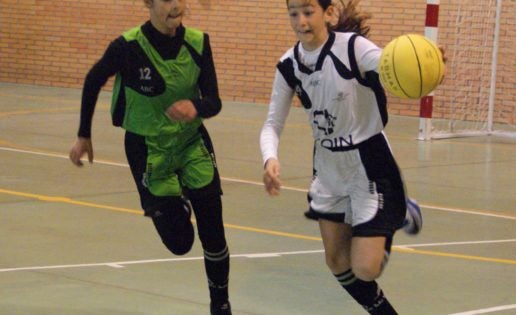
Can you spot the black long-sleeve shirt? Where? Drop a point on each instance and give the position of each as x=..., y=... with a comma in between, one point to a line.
x=207, y=105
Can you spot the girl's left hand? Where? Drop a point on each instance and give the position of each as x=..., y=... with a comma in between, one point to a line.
x=182, y=110
x=443, y=53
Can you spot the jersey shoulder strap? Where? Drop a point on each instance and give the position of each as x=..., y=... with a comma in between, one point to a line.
x=194, y=42
x=286, y=68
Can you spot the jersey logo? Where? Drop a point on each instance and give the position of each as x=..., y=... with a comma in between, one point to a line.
x=340, y=97
x=315, y=82
x=324, y=121
x=338, y=143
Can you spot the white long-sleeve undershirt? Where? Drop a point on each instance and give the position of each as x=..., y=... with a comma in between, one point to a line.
x=367, y=55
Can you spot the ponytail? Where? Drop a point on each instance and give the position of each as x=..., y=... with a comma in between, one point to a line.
x=349, y=18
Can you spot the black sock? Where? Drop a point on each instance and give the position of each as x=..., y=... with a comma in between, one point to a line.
x=366, y=293
x=217, y=270
x=207, y=207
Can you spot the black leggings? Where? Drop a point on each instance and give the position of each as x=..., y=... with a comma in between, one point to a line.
x=168, y=213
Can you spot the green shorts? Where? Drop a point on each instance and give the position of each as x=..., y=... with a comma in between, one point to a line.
x=172, y=165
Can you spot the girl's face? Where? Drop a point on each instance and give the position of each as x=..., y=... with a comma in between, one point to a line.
x=166, y=15
x=309, y=20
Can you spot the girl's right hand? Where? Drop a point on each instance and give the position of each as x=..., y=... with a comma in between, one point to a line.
x=81, y=146
x=271, y=177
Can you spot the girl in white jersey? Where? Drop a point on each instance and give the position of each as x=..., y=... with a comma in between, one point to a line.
x=357, y=193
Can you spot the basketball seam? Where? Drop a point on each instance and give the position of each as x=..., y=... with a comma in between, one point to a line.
x=394, y=68
x=418, y=65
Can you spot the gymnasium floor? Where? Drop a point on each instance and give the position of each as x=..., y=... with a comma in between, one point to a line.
x=74, y=241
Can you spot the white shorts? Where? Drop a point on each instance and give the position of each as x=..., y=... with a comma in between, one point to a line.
x=361, y=187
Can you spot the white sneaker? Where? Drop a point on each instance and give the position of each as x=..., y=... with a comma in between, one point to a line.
x=413, y=220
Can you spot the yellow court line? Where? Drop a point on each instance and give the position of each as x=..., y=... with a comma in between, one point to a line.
x=44, y=111
x=36, y=111
x=51, y=99
x=16, y=148
x=252, y=229
x=67, y=200
x=89, y=204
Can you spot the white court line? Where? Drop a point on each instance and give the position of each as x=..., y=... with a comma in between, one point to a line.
x=121, y=264
x=103, y=162
x=488, y=310
x=61, y=156
x=440, y=208
x=249, y=182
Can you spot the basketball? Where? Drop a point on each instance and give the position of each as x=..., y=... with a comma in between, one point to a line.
x=411, y=66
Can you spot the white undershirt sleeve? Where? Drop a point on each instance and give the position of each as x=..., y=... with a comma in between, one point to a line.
x=279, y=107
x=367, y=55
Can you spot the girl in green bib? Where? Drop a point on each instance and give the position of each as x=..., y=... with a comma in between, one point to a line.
x=165, y=85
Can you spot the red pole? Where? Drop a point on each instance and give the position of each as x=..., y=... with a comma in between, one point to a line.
x=426, y=102
x=431, y=23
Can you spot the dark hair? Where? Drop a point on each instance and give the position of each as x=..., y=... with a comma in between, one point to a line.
x=350, y=18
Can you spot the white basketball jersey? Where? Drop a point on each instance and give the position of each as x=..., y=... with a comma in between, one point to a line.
x=344, y=101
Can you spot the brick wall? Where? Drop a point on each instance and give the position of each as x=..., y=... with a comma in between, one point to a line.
x=54, y=43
